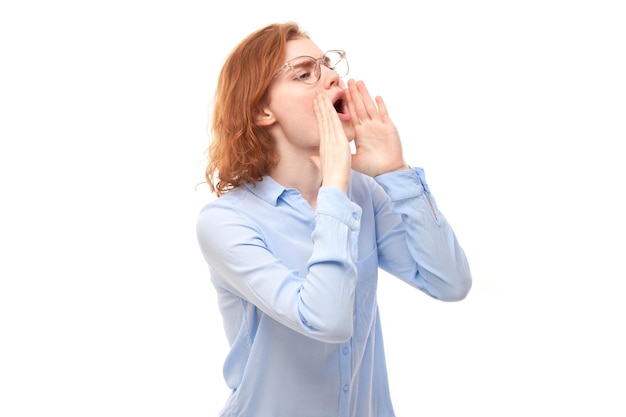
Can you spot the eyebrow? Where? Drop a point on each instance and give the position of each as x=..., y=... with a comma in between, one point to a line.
x=288, y=63
x=302, y=63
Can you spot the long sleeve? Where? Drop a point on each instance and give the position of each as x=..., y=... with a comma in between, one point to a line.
x=257, y=253
x=422, y=249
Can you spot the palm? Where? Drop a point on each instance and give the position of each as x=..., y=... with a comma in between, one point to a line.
x=377, y=142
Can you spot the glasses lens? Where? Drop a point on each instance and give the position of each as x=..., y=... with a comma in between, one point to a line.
x=336, y=60
x=306, y=70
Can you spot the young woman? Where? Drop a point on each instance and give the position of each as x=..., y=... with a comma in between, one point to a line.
x=302, y=225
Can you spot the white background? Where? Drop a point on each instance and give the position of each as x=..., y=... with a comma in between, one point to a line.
x=515, y=109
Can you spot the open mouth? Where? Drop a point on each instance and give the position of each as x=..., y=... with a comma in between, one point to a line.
x=339, y=106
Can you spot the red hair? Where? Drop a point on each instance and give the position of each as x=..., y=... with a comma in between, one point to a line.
x=240, y=151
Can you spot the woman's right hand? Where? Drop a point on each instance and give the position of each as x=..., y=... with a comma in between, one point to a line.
x=335, y=156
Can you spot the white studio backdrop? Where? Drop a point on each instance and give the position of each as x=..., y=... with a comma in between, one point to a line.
x=516, y=110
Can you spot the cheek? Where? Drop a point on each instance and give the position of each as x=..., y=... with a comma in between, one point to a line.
x=296, y=106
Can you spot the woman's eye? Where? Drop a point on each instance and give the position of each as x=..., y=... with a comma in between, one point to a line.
x=303, y=75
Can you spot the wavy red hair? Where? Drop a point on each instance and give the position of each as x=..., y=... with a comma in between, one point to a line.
x=240, y=151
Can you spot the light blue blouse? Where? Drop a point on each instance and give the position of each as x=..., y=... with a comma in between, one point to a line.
x=297, y=288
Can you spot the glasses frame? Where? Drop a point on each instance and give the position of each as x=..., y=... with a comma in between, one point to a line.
x=318, y=63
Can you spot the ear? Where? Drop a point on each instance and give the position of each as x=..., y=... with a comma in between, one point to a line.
x=264, y=117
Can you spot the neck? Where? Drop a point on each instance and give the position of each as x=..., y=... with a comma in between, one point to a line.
x=299, y=172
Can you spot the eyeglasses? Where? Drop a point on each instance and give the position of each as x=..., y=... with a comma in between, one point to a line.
x=308, y=69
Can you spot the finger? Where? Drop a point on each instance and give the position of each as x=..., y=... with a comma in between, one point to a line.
x=356, y=102
x=322, y=117
x=334, y=123
x=354, y=117
x=382, y=109
x=321, y=127
x=370, y=105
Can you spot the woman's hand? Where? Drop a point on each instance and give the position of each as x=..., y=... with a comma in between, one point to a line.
x=377, y=141
x=335, y=154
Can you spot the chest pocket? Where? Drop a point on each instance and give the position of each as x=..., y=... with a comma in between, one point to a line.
x=365, y=301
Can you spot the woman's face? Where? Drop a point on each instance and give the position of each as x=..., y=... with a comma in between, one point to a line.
x=290, y=103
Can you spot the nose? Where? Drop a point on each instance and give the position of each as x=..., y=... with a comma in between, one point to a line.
x=329, y=77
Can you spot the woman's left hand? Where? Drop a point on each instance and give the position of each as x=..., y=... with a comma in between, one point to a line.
x=377, y=141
